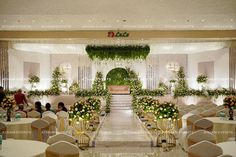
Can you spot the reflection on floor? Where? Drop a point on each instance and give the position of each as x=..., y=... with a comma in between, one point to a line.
x=132, y=152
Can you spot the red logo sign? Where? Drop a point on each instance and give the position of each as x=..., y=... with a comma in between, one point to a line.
x=118, y=34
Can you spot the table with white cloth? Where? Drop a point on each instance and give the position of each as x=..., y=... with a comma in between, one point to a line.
x=20, y=129
x=23, y=148
x=223, y=129
x=228, y=147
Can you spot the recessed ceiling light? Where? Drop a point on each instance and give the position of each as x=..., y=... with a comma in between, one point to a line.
x=18, y=20
x=203, y=20
x=89, y=20
x=174, y=20
x=117, y=20
x=231, y=20
x=61, y=21
x=33, y=20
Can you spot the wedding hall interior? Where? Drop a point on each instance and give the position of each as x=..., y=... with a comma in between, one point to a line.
x=114, y=78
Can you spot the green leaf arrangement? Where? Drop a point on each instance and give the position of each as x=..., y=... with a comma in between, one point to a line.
x=117, y=52
x=201, y=79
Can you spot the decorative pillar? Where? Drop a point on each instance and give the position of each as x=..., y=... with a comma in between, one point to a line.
x=232, y=67
x=4, y=68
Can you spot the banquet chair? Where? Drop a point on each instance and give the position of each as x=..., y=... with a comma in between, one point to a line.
x=192, y=119
x=33, y=114
x=62, y=121
x=199, y=136
x=208, y=113
x=61, y=137
x=62, y=149
x=3, y=130
x=40, y=129
x=203, y=124
x=22, y=114
x=49, y=114
x=52, y=125
x=204, y=149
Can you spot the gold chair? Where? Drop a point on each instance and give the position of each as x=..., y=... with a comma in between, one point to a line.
x=204, y=149
x=52, y=125
x=62, y=149
x=3, y=130
x=203, y=124
x=22, y=114
x=40, y=129
x=33, y=114
x=61, y=137
x=199, y=136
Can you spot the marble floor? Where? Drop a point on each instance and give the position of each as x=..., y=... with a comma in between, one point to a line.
x=121, y=128
x=122, y=135
x=132, y=152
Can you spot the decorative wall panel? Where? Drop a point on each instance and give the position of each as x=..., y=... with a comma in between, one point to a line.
x=4, y=69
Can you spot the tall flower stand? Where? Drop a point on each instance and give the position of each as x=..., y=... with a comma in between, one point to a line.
x=231, y=114
x=80, y=127
x=166, y=137
x=9, y=115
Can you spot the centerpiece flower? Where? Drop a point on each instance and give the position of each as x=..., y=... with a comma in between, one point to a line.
x=147, y=104
x=230, y=102
x=166, y=110
x=8, y=104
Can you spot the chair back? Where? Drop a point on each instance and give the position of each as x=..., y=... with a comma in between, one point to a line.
x=199, y=136
x=33, y=114
x=204, y=149
x=62, y=149
x=52, y=125
x=49, y=114
x=22, y=114
x=62, y=121
x=61, y=137
x=208, y=113
x=40, y=129
x=203, y=124
x=3, y=130
x=192, y=119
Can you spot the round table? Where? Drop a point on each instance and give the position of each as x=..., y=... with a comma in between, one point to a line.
x=23, y=148
x=228, y=147
x=20, y=129
x=223, y=129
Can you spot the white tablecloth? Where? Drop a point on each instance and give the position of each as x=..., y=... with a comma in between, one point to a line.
x=23, y=148
x=228, y=147
x=223, y=129
x=20, y=129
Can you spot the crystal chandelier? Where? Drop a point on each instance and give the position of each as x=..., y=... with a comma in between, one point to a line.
x=172, y=66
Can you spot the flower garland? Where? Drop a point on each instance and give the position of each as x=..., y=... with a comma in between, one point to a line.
x=230, y=102
x=8, y=103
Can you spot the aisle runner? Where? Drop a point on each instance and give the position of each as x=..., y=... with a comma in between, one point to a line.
x=121, y=127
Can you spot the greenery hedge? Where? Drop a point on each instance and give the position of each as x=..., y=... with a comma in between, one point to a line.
x=117, y=52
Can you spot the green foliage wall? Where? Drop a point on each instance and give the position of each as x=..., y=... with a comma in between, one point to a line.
x=117, y=76
x=117, y=52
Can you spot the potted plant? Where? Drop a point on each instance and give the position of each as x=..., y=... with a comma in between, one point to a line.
x=34, y=80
